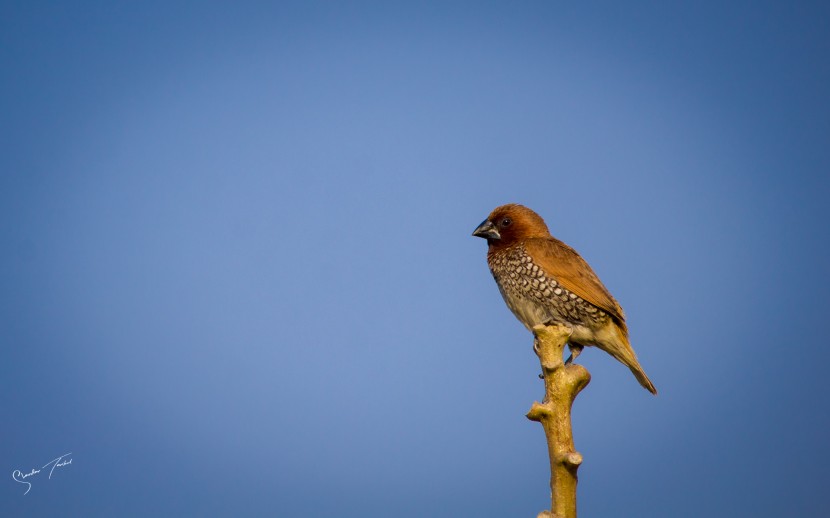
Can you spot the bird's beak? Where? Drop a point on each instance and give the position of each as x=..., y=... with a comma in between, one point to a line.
x=487, y=230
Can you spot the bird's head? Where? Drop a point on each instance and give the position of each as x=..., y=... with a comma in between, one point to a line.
x=510, y=223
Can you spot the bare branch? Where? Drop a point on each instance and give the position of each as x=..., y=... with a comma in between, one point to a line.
x=562, y=384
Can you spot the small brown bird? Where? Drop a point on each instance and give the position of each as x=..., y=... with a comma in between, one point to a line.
x=544, y=281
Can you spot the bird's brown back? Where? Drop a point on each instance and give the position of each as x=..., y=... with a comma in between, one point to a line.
x=564, y=264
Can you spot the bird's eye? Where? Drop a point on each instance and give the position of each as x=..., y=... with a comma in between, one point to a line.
x=506, y=222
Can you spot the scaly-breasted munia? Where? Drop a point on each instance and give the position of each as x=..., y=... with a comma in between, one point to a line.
x=544, y=281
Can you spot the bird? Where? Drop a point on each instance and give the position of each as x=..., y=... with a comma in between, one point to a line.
x=544, y=281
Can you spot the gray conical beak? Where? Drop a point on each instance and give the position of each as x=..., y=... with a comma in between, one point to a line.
x=487, y=230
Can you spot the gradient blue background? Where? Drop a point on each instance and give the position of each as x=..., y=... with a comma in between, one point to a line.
x=237, y=276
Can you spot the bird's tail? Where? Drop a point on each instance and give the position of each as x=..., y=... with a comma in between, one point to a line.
x=620, y=348
x=641, y=376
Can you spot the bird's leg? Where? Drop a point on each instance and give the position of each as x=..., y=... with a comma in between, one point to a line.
x=575, y=351
x=536, y=350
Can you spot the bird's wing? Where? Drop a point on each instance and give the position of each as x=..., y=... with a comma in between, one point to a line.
x=563, y=263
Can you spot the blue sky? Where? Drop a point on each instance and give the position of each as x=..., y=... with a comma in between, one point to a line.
x=238, y=277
